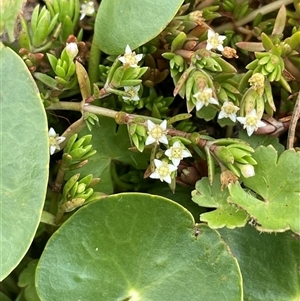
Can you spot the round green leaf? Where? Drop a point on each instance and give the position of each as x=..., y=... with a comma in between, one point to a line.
x=135, y=246
x=132, y=22
x=269, y=263
x=24, y=159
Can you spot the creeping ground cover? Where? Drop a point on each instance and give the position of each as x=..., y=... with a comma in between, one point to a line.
x=150, y=151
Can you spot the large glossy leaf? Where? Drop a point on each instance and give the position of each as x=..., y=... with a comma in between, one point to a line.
x=135, y=246
x=25, y=154
x=276, y=183
x=111, y=142
x=269, y=263
x=132, y=22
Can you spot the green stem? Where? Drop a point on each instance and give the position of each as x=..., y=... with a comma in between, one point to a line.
x=266, y=9
x=99, y=111
x=65, y=105
x=94, y=61
x=119, y=183
x=56, y=191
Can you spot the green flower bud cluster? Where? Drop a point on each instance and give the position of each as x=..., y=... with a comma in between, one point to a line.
x=186, y=126
x=258, y=97
x=232, y=154
x=177, y=63
x=134, y=177
x=209, y=61
x=68, y=15
x=77, y=152
x=138, y=135
x=64, y=67
x=157, y=105
x=239, y=10
x=123, y=76
x=43, y=29
x=227, y=88
x=91, y=119
x=76, y=192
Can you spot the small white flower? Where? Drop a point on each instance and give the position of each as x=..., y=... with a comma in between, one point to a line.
x=247, y=170
x=130, y=58
x=163, y=171
x=54, y=141
x=214, y=41
x=204, y=97
x=228, y=110
x=177, y=152
x=251, y=122
x=87, y=9
x=157, y=133
x=72, y=50
x=133, y=91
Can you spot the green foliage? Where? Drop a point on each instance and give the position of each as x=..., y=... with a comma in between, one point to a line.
x=168, y=112
x=269, y=263
x=111, y=143
x=140, y=247
x=211, y=196
x=25, y=153
x=129, y=27
x=275, y=207
x=9, y=10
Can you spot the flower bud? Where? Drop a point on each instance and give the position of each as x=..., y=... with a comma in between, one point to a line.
x=72, y=50
x=247, y=170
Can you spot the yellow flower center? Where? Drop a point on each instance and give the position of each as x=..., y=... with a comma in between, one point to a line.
x=257, y=81
x=229, y=108
x=130, y=59
x=176, y=152
x=215, y=41
x=52, y=141
x=163, y=170
x=156, y=132
x=251, y=121
x=205, y=97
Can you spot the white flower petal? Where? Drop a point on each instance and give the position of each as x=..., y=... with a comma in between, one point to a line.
x=52, y=149
x=163, y=139
x=60, y=139
x=250, y=130
x=52, y=132
x=176, y=161
x=199, y=105
x=167, y=179
x=220, y=47
x=151, y=125
x=163, y=125
x=128, y=50
x=210, y=33
x=232, y=117
x=155, y=175
x=213, y=101
x=122, y=59
x=158, y=163
x=222, y=114
x=149, y=140
x=186, y=153
x=260, y=124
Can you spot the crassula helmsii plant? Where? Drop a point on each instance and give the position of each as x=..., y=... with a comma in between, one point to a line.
x=150, y=152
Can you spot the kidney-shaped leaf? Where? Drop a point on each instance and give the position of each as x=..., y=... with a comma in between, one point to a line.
x=25, y=155
x=132, y=22
x=276, y=181
x=135, y=246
